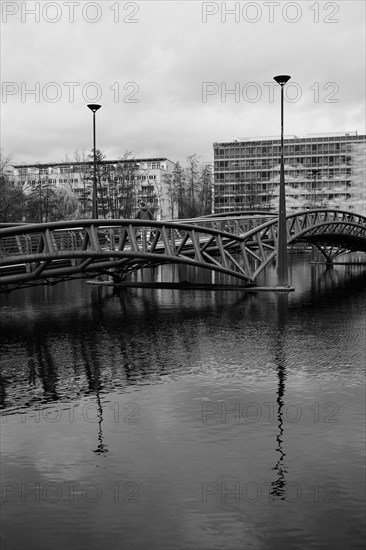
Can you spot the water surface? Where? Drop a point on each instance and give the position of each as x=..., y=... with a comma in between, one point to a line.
x=185, y=419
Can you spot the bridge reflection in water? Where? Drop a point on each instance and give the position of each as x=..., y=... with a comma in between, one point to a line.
x=87, y=370
x=241, y=245
x=72, y=351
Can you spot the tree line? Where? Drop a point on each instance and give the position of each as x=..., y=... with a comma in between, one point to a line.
x=190, y=189
x=36, y=198
x=32, y=201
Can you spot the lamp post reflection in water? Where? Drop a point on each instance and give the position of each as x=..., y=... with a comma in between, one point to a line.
x=278, y=487
x=89, y=354
x=102, y=448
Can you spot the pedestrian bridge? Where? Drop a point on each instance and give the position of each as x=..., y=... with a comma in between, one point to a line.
x=239, y=244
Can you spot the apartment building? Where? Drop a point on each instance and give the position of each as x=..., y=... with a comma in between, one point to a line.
x=130, y=180
x=320, y=170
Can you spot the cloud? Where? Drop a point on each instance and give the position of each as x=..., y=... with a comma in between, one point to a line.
x=150, y=75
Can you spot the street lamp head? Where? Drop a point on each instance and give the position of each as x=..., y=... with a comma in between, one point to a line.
x=93, y=107
x=282, y=79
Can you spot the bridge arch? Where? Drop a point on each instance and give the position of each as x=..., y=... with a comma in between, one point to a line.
x=34, y=253
x=63, y=250
x=334, y=232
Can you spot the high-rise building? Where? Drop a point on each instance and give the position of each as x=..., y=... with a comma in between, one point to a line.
x=320, y=170
x=130, y=180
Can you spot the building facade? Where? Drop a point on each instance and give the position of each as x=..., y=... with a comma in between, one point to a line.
x=121, y=183
x=320, y=170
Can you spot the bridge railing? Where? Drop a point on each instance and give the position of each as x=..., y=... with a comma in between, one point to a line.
x=237, y=224
x=103, y=235
x=33, y=243
x=253, y=234
x=27, y=239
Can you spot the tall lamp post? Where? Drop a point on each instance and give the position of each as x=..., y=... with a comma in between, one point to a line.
x=315, y=174
x=282, y=269
x=93, y=107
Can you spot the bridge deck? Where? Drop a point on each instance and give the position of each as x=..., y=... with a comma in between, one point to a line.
x=240, y=246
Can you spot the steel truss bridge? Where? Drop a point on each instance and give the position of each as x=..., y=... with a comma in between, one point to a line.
x=240, y=244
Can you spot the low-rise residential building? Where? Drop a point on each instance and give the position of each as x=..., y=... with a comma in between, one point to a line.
x=121, y=183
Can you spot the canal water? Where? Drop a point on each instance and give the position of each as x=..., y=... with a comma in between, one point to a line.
x=169, y=419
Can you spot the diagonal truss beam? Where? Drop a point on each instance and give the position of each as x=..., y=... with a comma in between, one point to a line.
x=35, y=252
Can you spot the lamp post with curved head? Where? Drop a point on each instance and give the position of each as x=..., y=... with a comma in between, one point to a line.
x=313, y=202
x=282, y=269
x=94, y=108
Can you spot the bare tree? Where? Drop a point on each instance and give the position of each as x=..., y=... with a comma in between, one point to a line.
x=205, y=194
x=171, y=193
x=12, y=194
x=68, y=203
x=102, y=174
x=179, y=188
x=82, y=170
x=193, y=175
x=5, y=161
x=126, y=186
x=43, y=202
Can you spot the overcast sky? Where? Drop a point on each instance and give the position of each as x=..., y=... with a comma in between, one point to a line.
x=163, y=72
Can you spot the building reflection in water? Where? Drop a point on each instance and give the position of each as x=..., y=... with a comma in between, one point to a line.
x=45, y=363
x=278, y=487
